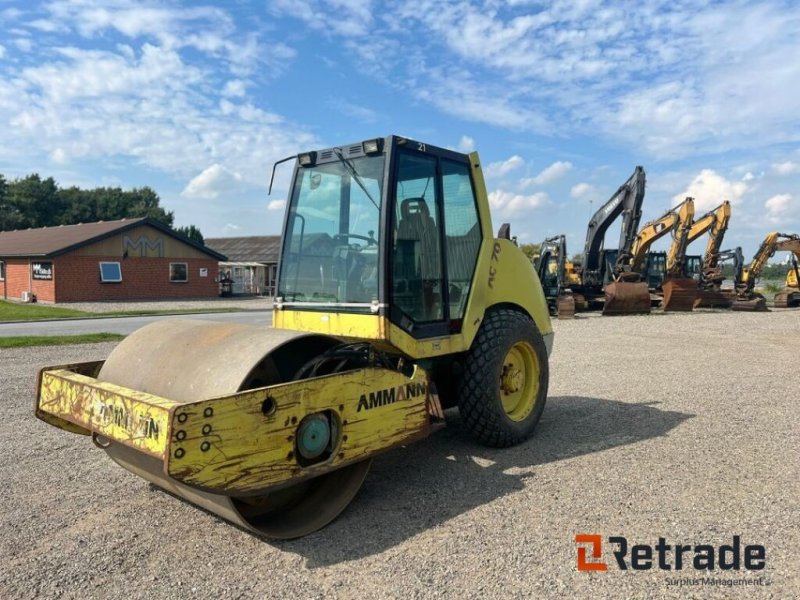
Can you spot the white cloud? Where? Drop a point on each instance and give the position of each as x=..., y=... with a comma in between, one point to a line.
x=59, y=156
x=510, y=202
x=786, y=168
x=355, y=111
x=276, y=205
x=581, y=191
x=465, y=144
x=709, y=189
x=498, y=169
x=340, y=17
x=549, y=175
x=214, y=181
x=230, y=228
x=748, y=177
x=673, y=79
x=778, y=207
x=207, y=29
x=23, y=44
x=235, y=88
x=2, y=51
x=46, y=25
x=149, y=105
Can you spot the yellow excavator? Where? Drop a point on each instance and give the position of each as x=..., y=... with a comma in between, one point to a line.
x=394, y=301
x=715, y=223
x=679, y=291
x=747, y=299
x=790, y=296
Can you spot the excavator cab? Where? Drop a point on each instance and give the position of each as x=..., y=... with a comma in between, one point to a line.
x=694, y=266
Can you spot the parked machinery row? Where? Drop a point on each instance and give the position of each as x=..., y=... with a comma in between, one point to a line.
x=631, y=279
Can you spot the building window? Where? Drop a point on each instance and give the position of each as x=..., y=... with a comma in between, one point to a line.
x=110, y=272
x=178, y=272
x=2, y=270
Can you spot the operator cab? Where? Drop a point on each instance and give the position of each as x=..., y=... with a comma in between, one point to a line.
x=694, y=266
x=387, y=227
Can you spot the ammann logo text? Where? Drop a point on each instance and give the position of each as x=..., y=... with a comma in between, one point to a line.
x=135, y=424
x=391, y=395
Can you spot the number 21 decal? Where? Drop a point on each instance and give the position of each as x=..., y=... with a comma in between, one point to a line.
x=420, y=147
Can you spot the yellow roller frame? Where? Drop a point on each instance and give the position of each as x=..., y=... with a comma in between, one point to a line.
x=244, y=443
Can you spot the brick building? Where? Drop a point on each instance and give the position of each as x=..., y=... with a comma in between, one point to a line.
x=131, y=259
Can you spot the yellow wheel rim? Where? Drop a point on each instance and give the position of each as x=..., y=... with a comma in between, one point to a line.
x=519, y=381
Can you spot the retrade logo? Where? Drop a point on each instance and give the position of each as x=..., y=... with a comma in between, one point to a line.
x=666, y=557
x=595, y=544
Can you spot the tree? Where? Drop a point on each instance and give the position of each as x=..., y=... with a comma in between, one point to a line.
x=530, y=250
x=35, y=202
x=32, y=202
x=191, y=232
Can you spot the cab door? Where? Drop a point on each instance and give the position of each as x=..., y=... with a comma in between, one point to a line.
x=434, y=242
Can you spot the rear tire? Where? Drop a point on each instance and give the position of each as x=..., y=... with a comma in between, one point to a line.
x=504, y=386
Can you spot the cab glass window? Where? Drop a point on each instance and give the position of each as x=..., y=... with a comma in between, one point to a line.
x=463, y=233
x=416, y=251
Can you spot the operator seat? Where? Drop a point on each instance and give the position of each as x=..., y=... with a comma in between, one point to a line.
x=417, y=257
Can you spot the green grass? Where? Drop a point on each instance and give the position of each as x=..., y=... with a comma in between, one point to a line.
x=10, y=311
x=57, y=340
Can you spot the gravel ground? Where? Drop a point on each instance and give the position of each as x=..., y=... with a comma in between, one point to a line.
x=683, y=426
x=242, y=303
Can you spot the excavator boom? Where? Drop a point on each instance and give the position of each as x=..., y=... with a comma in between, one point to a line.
x=622, y=296
x=715, y=222
x=679, y=290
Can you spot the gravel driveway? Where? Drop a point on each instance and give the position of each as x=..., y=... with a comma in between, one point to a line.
x=682, y=426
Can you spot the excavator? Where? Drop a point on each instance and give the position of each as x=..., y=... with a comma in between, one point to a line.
x=559, y=277
x=789, y=297
x=394, y=302
x=576, y=286
x=747, y=299
x=679, y=291
x=715, y=222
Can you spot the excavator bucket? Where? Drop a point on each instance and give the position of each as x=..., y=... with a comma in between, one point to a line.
x=755, y=304
x=566, y=306
x=626, y=298
x=714, y=299
x=787, y=299
x=680, y=294
x=580, y=302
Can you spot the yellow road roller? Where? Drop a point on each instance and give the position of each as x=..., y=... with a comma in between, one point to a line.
x=394, y=302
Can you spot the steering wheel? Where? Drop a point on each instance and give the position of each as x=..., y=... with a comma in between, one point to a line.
x=369, y=239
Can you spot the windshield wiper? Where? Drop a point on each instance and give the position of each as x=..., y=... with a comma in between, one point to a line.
x=354, y=174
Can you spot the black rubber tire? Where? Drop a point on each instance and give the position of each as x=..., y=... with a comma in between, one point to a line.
x=480, y=404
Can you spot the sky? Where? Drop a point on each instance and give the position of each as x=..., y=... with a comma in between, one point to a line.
x=561, y=99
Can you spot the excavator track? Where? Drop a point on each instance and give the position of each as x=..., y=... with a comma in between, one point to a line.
x=187, y=360
x=787, y=299
x=714, y=299
x=680, y=294
x=755, y=304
